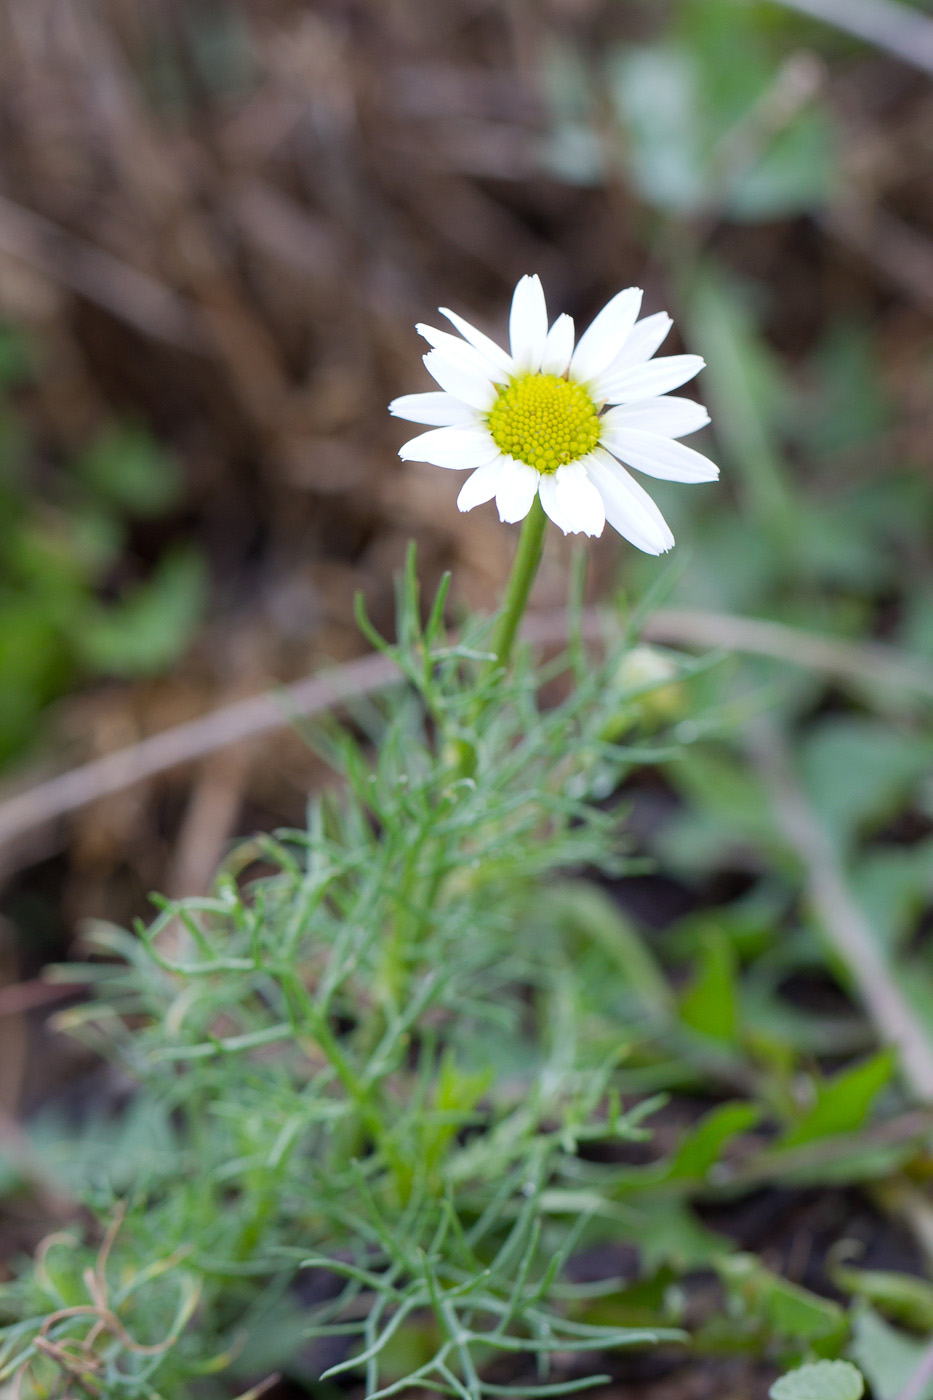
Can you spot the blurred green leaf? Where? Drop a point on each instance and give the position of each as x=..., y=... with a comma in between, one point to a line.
x=894, y=886
x=843, y=1103
x=859, y=770
x=656, y=91
x=888, y=1358
x=710, y=1004
x=126, y=467
x=725, y=813
x=844, y=402
x=820, y=1380
x=667, y=1232
x=794, y=173
x=746, y=392
x=34, y=668
x=784, y=1308
x=150, y=627
x=708, y=124
x=702, y=1147
x=17, y=357
x=903, y=1297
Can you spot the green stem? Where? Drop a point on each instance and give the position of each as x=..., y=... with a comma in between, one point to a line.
x=527, y=559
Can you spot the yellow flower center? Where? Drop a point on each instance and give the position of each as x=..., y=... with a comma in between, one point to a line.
x=544, y=421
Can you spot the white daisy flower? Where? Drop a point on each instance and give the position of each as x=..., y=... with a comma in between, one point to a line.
x=557, y=421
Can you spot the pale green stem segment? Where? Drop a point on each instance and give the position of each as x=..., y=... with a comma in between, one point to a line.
x=518, y=589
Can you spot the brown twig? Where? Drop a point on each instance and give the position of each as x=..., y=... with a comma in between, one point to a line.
x=843, y=921
x=862, y=663
x=47, y=801
x=124, y=291
x=20, y=997
x=208, y=823
x=244, y=719
x=900, y=253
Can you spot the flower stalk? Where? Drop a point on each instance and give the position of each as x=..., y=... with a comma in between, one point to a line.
x=521, y=580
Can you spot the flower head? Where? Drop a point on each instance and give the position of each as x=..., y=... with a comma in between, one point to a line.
x=557, y=421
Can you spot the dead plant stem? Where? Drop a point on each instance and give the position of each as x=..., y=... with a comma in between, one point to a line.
x=842, y=919
x=867, y=664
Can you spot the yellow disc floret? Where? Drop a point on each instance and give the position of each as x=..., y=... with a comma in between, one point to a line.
x=544, y=421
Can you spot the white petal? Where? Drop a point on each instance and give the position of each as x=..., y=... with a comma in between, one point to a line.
x=439, y=410
x=658, y=456
x=481, y=486
x=574, y=485
x=460, y=353
x=471, y=388
x=518, y=485
x=547, y=490
x=455, y=448
x=528, y=325
x=629, y=508
x=669, y=416
x=606, y=337
x=645, y=340
x=572, y=501
x=493, y=352
x=558, y=347
x=647, y=380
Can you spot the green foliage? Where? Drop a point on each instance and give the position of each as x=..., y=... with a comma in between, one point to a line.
x=125, y=467
x=842, y=1104
x=401, y=1068
x=710, y=1005
x=888, y=1357
x=372, y=1062
x=801, y=1318
x=67, y=612
x=820, y=1380
x=710, y=119
x=144, y=631
x=901, y=1297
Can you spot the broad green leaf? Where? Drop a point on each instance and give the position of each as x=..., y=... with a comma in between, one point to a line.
x=695, y=137
x=902, y=1297
x=17, y=356
x=793, y=173
x=746, y=393
x=781, y=1306
x=725, y=812
x=667, y=1232
x=130, y=470
x=844, y=402
x=723, y=786
x=894, y=885
x=711, y=1005
x=151, y=627
x=697, y=1154
x=657, y=95
x=843, y=1103
x=820, y=1380
x=888, y=1357
x=702, y=1148
x=859, y=770
x=916, y=629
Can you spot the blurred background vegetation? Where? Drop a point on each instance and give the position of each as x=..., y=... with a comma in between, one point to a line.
x=219, y=222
